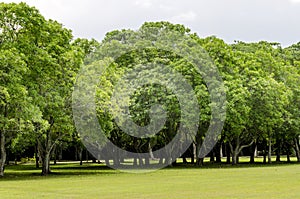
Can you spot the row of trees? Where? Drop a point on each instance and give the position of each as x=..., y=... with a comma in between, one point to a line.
x=261, y=82
x=39, y=61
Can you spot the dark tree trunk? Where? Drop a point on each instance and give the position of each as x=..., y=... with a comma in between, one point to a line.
x=218, y=152
x=288, y=156
x=37, y=157
x=87, y=155
x=3, y=153
x=212, y=157
x=60, y=152
x=296, y=144
x=265, y=151
x=265, y=157
x=228, y=153
x=80, y=155
x=200, y=161
x=55, y=155
x=76, y=154
x=278, y=150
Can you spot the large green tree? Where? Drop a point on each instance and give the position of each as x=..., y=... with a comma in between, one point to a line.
x=50, y=62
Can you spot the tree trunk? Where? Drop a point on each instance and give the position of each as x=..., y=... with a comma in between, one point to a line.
x=265, y=157
x=235, y=157
x=55, y=155
x=228, y=153
x=288, y=156
x=218, y=152
x=147, y=161
x=46, y=163
x=234, y=151
x=194, y=154
x=135, y=161
x=270, y=151
x=212, y=156
x=37, y=157
x=265, y=151
x=200, y=161
x=296, y=142
x=80, y=155
x=151, y=152
x=87, y=155
x=278, y=150
x=99, y=159
x=253, y=153
x=60, y=154
x=3, y=153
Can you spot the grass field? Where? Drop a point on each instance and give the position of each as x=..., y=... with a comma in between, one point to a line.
x=98, y=181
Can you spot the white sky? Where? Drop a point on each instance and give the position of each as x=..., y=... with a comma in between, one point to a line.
x=246, y=20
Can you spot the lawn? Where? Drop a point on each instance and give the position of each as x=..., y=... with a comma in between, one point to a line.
x=98, y=181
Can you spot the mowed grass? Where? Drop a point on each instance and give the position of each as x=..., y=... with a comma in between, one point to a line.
x=98, y=181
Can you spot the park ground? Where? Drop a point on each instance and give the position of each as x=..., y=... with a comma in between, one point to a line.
x=70, y=180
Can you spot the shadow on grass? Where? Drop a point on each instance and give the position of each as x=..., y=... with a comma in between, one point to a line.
x=29, y=172
x=214, y=165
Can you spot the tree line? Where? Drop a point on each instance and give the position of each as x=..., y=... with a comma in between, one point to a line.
x=40, y=60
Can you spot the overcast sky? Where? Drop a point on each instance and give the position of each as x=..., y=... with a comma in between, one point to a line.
x=246, y=20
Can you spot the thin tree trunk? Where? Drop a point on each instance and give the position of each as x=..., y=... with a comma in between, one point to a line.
x=200, y=161
x=76, y=154
x=60, y=154
x=218, y=152
x=253, y=153
x=87, y=155
x=265, y=143
x=80, y=155
x=278, y=150
x=37, y=157
x=3, y=153
x=234, y=151
x=270, y=151
x=194, y=155
x=228, y=153
x=55, y=155
x=151, y=152
x=288, y=156
x=212, y=156
x=296, y=142
x=265, y=157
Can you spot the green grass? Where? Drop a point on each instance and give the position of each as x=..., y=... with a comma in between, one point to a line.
x=98, y=181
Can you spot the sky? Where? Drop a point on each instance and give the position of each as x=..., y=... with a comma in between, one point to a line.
x=230, y=20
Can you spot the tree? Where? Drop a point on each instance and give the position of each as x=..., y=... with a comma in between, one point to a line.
x=17, y=110
x=51, y=63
